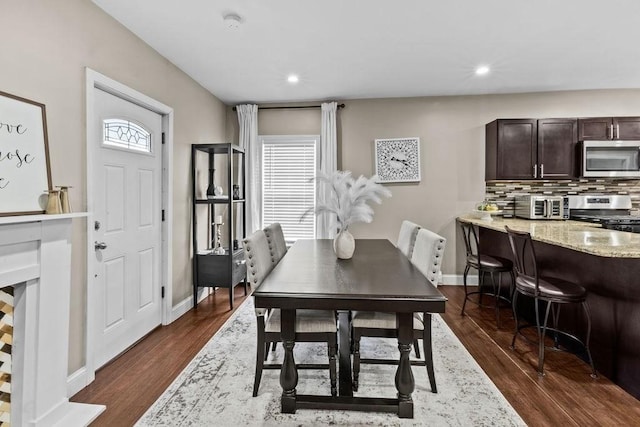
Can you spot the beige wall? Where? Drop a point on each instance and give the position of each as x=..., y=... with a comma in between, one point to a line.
x=46, y=47
x=451, y=131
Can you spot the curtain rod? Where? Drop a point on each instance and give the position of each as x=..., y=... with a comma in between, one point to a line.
x=293, y=107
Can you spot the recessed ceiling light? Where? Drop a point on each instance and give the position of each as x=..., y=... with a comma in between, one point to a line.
x=482, y=70
x=293, y=79
x=232, y=21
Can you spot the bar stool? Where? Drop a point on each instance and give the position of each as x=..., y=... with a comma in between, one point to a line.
x=553, y=291
x=484, y=264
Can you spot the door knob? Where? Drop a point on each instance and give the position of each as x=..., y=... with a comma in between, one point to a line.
x=100, y=245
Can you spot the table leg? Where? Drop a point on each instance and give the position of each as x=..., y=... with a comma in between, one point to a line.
x=404, y=376
x=288, y=372
x=344, y=345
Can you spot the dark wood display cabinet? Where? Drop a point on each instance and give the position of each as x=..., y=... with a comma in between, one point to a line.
x=524, y=149
x=218, y=217
x=609, y=128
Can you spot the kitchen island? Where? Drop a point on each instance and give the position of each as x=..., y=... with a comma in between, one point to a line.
x=607, y=264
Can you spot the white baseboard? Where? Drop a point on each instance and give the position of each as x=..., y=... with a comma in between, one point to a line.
x=457, y=279
x=80, y=378
x=77, y=381
x=187, y=304
x=181, y=308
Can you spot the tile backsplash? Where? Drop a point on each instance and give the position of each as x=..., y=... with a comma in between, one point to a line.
x=503, y=192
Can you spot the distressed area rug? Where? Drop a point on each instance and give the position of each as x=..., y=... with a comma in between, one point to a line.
x=215, y=388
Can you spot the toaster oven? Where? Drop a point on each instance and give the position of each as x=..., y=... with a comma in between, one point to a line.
x=541, y=207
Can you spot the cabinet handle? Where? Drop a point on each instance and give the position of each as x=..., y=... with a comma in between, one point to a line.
x=610, y=131
x=542, y=170
x=535, y=170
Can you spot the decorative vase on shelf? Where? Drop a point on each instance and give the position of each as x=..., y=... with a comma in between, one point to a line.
x=211, y=189
x=53, y=202
x=64, y=198
x=344, y=244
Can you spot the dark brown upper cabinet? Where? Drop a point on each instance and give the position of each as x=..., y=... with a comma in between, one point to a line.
x=609, y=128
x=521, y=149
x=558, y=148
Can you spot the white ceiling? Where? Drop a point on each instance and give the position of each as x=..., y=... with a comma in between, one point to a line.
x=349, y=49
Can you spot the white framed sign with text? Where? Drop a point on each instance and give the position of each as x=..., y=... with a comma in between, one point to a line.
x=25, y=176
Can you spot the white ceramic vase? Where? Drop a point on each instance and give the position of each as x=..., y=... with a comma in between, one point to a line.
x=344, y=245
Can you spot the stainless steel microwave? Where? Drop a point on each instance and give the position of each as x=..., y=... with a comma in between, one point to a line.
x=611, y=159
x=541, y=207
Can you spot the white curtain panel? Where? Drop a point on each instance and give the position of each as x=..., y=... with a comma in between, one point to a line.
x=248, y=139
x=326, y=225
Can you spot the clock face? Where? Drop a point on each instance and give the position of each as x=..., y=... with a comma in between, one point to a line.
x=398, y=160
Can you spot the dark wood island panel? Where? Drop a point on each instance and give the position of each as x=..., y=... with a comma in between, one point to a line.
x=614, y=299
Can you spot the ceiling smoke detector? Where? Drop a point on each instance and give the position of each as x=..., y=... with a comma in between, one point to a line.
x=232, y=21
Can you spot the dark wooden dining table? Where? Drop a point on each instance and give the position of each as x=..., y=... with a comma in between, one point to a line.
x=379, y=277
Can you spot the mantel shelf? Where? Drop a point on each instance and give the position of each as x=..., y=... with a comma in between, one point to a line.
x=17, y=219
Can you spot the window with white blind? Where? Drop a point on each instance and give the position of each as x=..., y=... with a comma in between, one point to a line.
x=289, y=164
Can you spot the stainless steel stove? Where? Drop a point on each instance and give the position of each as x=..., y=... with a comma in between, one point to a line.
x=611, y=211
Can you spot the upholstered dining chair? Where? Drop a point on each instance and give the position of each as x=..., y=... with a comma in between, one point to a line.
x=427, y=257
x=311, y=325
x=277, y=248
x=550, y=291
x=484, y=264
x=277, y=244
x=406, y=242
x=407, y=237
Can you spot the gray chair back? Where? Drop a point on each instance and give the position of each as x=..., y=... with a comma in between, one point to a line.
x=407, y=237
x=427, y=253
x=258, y=257
x=277, y=244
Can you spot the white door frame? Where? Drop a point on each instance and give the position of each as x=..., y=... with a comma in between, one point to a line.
x=96, y=80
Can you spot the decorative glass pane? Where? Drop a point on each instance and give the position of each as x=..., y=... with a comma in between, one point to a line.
x=125, y=134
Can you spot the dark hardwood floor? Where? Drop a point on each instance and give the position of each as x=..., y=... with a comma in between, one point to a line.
x=566, y=395
x=130, y=384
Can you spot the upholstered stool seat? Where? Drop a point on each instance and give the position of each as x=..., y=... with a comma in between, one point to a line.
x=487, y=262
x=551, y=288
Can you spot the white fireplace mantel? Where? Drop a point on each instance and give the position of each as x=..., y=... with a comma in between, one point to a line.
x=35, y=257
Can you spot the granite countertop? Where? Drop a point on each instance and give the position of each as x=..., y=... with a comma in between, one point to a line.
x=576, y=235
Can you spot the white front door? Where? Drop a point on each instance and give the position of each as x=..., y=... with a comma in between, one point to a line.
x=127, y=187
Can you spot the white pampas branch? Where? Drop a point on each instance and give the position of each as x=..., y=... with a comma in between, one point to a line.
x=349, y=197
